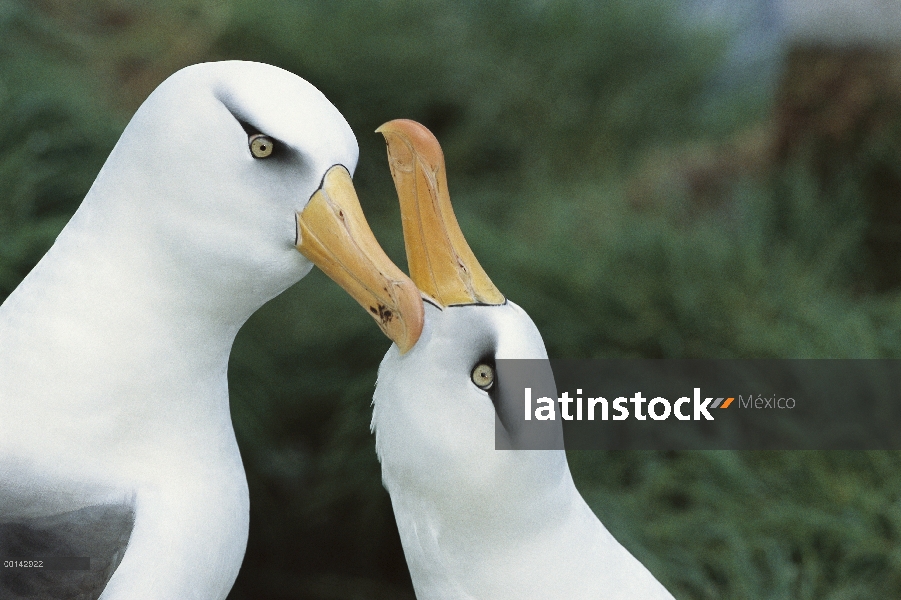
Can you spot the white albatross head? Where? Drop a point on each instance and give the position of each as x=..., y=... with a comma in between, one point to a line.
x=224, y=172
x=436, y=412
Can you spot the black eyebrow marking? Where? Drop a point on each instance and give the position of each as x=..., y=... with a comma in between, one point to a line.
x=247, y=127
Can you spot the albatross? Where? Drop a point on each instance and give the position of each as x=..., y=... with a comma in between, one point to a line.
x=475, y=522
x=116, y=442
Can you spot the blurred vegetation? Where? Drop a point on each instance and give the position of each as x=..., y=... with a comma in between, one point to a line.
x=606, y=190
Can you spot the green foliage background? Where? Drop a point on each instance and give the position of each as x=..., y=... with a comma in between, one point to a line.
x=548, y=113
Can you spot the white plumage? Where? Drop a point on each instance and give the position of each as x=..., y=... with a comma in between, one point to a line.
x=114, y=349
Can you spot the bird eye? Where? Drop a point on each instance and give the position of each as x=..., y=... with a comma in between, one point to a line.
x=483, y=376
x=261, y=145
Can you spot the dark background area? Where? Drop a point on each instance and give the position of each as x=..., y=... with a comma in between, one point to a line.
x=622, y=173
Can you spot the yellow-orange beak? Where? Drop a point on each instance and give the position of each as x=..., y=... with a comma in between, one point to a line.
x=441, y=263
x=334, y=235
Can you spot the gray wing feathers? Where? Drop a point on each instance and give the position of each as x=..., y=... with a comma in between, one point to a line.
x=98, y=532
